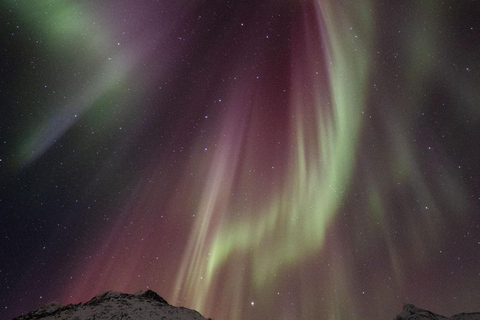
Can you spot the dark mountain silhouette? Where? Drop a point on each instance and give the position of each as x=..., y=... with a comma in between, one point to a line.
x=410, y=312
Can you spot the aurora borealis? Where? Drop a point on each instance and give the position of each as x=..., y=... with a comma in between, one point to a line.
x=278, y=159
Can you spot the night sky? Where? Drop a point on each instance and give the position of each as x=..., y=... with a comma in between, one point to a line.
x=276, y=159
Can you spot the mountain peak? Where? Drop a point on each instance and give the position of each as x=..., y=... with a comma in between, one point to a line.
x=115, y=305
x=152, y=295
x=411, y=312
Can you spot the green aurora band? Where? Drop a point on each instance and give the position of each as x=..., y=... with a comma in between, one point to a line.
x=292, y=227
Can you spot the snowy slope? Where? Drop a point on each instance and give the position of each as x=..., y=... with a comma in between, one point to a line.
x=146, y=305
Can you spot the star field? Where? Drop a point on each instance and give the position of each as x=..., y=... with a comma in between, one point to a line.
x=273, y=159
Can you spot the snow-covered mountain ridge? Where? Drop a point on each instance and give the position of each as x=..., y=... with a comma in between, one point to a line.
x=146, y=305
x=149, y=305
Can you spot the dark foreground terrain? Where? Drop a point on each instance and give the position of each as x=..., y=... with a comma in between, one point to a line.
x=149, y=305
